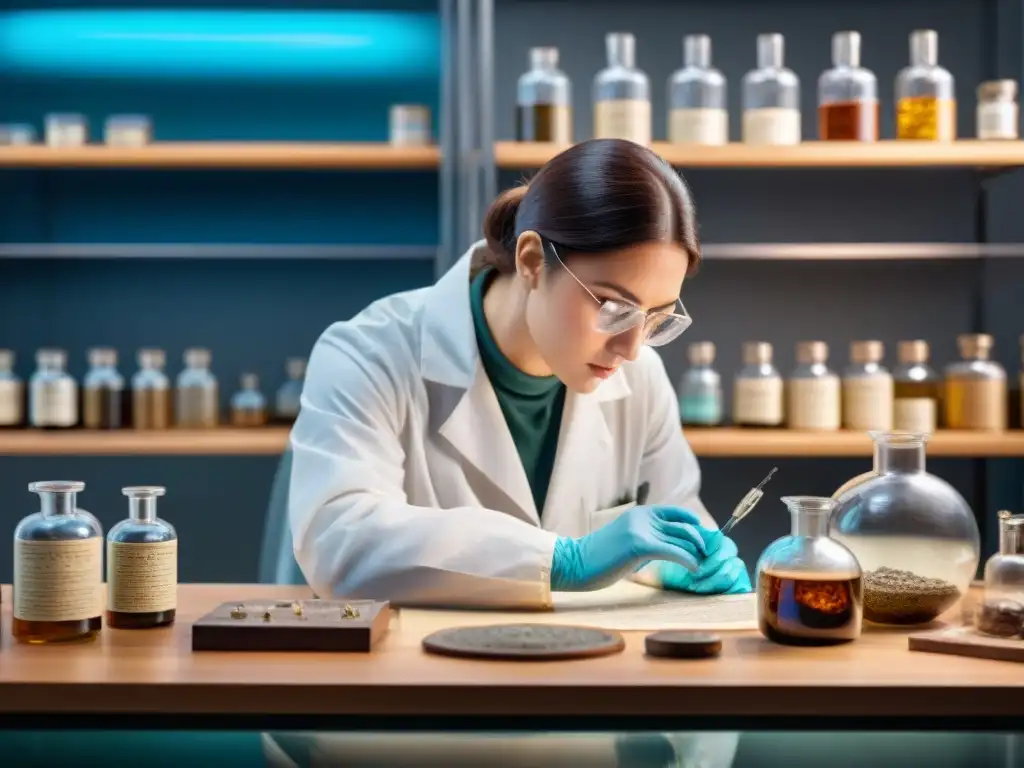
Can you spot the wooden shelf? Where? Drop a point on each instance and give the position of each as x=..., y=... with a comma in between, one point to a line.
x=810, y=154
x=271, y=441
x=298, y=155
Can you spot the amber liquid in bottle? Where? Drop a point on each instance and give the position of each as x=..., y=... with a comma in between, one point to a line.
x=125, y=620
x=40, y=632
x=808, y=611
x=916, y=390
x=103, y=408
x=976, y=404
x=151, y=408
x=848, y=121
x=247, y=417
x=544, y=122
x=926, y=118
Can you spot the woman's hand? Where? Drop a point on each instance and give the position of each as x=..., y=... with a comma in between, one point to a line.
x=721, y=571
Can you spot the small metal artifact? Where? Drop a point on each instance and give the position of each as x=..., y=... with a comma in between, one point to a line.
x=266, y=615
x=297, y=608
x=238, y=612
x=348, y=612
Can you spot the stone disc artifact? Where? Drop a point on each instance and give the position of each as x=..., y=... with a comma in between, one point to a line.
x=524, y=642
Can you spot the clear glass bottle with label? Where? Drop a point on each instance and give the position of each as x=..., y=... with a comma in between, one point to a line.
x=544, y=100
x=58, y=569
x=757, y=390
x=622, y=94
x=151, y=392
x=998, y=116
x=847, y=94
x=916, y=390
x=142, y=565
x=197, y=405
x=697, y=109
x=925, y=93
x=53, y=394
x=248, y=405
x=700, y=389
x=813, y=391
x=867, y=389
x=771, y=97
x=12, y=393
x=103, y=400
x=976, y=390
x=289, y=396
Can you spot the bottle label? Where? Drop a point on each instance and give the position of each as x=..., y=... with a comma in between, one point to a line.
x=11, y=408
x=813, y=403
x=142, y=577
x=58, y=580
x=867, y=403
x=623, y=119
x=54, y=404
x=197, y=407
x=758, y=401
x=771, y=125
x=698, y=126
x=976, y=404
x=925, y=117
x=998, y=120
x=700, y=409
x=914, y=414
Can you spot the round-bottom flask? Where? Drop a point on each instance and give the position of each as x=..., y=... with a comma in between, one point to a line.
x=809, y=587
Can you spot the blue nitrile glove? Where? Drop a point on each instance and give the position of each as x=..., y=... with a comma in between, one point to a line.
x=721, y=572
x=636, y=536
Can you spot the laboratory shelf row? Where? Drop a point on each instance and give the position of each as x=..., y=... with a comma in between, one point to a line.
x=511, y=155
x=706, y=442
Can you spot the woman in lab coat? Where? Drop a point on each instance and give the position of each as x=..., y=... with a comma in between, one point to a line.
x=509, y=431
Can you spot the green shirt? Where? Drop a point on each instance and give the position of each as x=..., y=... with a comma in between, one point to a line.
x=532, y=405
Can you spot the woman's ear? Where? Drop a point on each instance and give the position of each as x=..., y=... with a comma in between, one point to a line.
x=530, y=258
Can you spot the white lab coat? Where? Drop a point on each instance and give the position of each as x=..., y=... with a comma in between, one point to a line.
x=406, y=484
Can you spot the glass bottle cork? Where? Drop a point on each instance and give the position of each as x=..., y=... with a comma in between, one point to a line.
x=58, y=569
x=103, y=400
x=198, y=398
x=142, y=565
x=248, y=405
x=289, y=396
x=622, y=94
x=867, y=389
x=697, y=110
x=544, y=100
x=12, y=392
x=771, y=97
x=847, y=94
x=998, y=116
x=925, y=93
x=916, y=390
x=813, y=391
x=53, y=394
x=757, y=390
x=976, y=392
x=700, y=390
x=151, y=392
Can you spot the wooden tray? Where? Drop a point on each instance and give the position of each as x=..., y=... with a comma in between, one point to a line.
x=286, y=625
x=965, y=641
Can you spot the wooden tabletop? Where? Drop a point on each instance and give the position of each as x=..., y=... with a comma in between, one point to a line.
x=155, y=671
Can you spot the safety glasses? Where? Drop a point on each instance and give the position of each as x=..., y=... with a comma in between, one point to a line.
x=615, y=316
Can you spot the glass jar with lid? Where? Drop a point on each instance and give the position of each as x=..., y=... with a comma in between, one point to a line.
x=757, y=389
x=1001, y=612
x=151, y=391
x=847, y=94
x=867, y=388
x=700, y=390
x=103, y=400
x=53, y=393
x=197, y=405
x=976, y=392
x=916, y=389
x=998, y=115
x=12, y=392
x=544, y=100
x=289, y=396
x=697, y=108
x=771, y=96
x=914, y=535
x=622, y=94
x=809, y=587
x=812, y=392
x=248, y=405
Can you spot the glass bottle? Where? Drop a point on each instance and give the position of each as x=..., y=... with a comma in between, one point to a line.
x=198, y=399
x=142, y=565
x=12, y=392
x=1001, y=612
x=1020, y=382
x=622, y=94
x=812, y=394
x=103, y=397
x=58, y=569
x=700, y=390
x=544, y=100
x=757, y=390
x=867, y=388
x=53, y=394
x=916, y=390
x=998, y=116
x=976, y=391
x=771, y=97
x=289, y=396
x=698, y=113
x=248, y=405
x=925, y=93
x=914, y=535
x=809, y=586
x=151, y=392
x=847, y=94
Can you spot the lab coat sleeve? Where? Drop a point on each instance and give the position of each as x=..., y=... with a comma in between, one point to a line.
x=354, y=533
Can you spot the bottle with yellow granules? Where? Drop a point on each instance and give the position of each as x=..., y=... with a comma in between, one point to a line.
x=925, y=93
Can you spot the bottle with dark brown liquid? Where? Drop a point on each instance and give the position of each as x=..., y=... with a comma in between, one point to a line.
x=103, y=400
x=142, y=565
x=809, y=587
x=544, y=100
x=847, y=94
